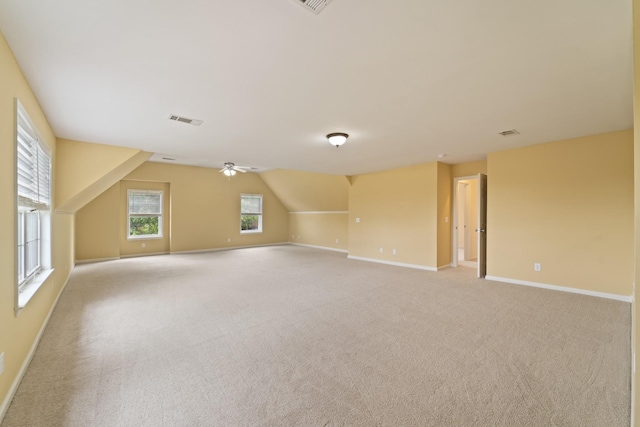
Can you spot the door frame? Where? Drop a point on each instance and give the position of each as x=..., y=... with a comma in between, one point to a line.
x=454, y=225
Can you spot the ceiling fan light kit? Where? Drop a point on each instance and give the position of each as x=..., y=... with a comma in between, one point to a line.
x=229, y=169
x=337, y=138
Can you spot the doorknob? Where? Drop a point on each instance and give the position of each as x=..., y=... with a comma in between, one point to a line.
x=480, y=230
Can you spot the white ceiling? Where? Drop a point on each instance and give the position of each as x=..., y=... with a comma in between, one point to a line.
x=408, y=80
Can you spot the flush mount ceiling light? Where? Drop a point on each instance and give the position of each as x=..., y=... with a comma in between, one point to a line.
x=337, y=138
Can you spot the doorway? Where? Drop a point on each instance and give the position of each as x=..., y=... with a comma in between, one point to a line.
x=466, y=255
x=469, y=223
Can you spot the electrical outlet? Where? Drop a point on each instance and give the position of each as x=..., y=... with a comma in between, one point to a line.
x=337, y=240
x=446, y=219
x=144, y=245
x=381, y=250
x=1, y=363
x=537, y=266
x=394, y=251
x=229, y=240
x=357, y=220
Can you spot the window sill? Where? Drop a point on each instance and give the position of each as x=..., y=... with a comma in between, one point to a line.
x=144, y=238
x=250, y=231
x=30, y=289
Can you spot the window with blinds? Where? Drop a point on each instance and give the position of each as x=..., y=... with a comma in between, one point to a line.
x=33, y=166
x=33, y=195
x=145, y=214
x=250, y=213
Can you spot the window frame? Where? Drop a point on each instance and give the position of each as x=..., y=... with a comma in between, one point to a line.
x=160, y=234
x=33, y=197
x=258, y=214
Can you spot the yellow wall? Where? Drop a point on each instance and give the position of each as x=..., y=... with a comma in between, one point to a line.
x=94, y=224
x=397, y=209
x=87, y=170
x=320, y=229
x=567, y=205
x=317, y=205
x=445, y=213
x=469, y=169
x=18, y=333
x=636, y=137
x=204, y=212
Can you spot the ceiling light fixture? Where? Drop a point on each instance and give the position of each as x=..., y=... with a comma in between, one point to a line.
x=229, y=172
x=337, y=138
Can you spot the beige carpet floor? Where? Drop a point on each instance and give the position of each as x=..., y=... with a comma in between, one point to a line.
x=292, y=336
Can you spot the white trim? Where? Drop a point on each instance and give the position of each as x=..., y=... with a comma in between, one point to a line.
x=144, y=254
x=89, y=261
x=398, y=264
x=131, y=191
x=633, y=353
x=318, y=212
x=25, y=364
x=228, y=248
x=29, y=289
x=326, y=248
x=258, y=214
x=616, y=297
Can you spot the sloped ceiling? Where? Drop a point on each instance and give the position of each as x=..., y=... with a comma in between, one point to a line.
x=308, y=191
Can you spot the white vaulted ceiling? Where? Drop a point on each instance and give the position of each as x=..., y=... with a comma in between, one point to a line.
x=408, y=80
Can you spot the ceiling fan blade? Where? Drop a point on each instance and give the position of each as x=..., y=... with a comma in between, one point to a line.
x=236, y=168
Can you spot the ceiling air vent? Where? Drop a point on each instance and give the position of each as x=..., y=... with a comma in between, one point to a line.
x=509, y=132
x=314, y=6
x=185, y=120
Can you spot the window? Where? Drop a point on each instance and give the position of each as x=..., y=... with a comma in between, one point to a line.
x=251, y=213
x=33, y=216
x=145, y=214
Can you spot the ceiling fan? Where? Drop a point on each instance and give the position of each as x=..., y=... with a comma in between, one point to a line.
x=230, y=169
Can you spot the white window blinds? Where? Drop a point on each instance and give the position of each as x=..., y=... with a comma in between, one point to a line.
x=145, y=202
x=33, y=166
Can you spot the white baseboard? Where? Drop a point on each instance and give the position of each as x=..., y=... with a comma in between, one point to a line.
x=228, y=248
x=633, y=353
x=326, y=248
x=146, y=254
x=561, y=288
x=89, y=261
x=397, y=264
x=25, y=364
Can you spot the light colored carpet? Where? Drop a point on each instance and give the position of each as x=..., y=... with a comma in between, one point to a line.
x=292, y=336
